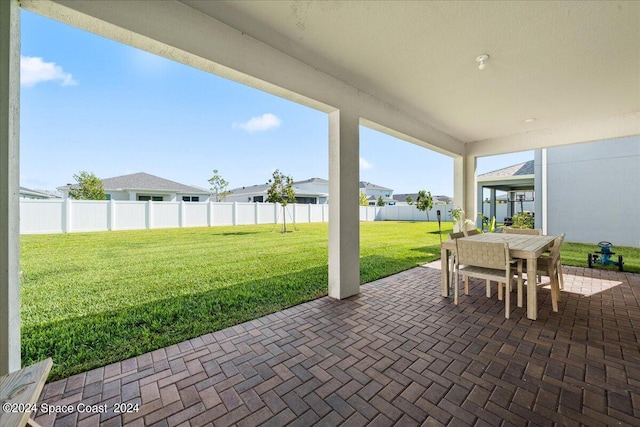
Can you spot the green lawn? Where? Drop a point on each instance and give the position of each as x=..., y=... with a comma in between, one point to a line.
x=95, y=298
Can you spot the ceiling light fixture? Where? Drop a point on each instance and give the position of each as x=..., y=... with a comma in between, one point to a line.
x=531, y=120
x=482, y=61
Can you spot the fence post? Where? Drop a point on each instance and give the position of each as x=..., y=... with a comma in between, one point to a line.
x=111, y=216
x=149, y=216
x=181, y=214
x=210, y=213
x=255, y=212
x=275, y=213
x=234, y=214
x=66, y=215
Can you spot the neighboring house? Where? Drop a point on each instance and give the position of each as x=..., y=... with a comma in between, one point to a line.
x=144, y=187
x=373, y=191
x=312, y=191
x=27, y=193
x=589, y=191
x=401, y=199
x=503, y=192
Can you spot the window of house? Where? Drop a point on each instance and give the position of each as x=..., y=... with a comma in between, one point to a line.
x=190, y=198
x=258, y=199
x=152, y=198
x=306, y=200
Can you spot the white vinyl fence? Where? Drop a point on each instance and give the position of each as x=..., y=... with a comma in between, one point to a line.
x=65, y=216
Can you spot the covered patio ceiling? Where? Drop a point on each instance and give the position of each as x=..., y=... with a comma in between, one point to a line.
x=574, y=67
x=558, y=62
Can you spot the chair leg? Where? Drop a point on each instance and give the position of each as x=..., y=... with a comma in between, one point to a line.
x=466, y=284
x=558, y=287
x=554, y=291
x=488, y=288
x=507, y=303
x=455, y=288
x=452, y=269
x=520, y=285
x=559, y=270
x=499, y=291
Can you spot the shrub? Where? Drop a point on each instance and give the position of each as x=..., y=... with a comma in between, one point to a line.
x=523, y=220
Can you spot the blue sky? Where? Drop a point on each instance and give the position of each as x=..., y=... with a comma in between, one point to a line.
x=93, y=104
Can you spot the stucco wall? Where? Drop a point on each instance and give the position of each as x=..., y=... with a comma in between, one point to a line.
x=593, y=191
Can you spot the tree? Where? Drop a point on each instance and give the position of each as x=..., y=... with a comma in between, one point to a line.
x=380, y=201
x=424, y=202
x=281, y=191
x=409, y=200
x=89, y=187
x=219, y=186
x=363, y=199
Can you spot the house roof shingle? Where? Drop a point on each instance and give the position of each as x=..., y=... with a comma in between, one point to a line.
x=520, y=169
x=364, y=184
x=145, y=181
x=259, y=188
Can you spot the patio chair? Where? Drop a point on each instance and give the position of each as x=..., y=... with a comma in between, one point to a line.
x=453, y=236
x=531, y=231
x=550, y=266
x=22, y=388
x=452, y=260
x=472, y=232
x=489, y=261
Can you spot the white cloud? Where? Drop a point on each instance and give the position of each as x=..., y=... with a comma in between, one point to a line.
x=258, y=124
x=34, y=70
x=364, y=164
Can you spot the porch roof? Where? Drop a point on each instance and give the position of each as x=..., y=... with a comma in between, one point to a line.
x=409, y=68
x=517, y=177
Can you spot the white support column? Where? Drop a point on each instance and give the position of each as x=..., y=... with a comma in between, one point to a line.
x=544, y=190
x=464, y=184
x=344, y=218
x=9, y=187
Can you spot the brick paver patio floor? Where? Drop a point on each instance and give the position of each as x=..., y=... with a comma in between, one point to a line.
x=397, y=354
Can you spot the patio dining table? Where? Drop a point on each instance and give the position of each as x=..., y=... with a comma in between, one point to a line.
x=527, y=247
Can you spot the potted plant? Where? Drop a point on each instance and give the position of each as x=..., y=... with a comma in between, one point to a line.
x=460, y=223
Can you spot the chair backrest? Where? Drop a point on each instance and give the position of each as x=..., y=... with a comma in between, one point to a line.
x=483, y=254
x=554, y=252
x=453, y=236
x=531, y=231
x=471, y=232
